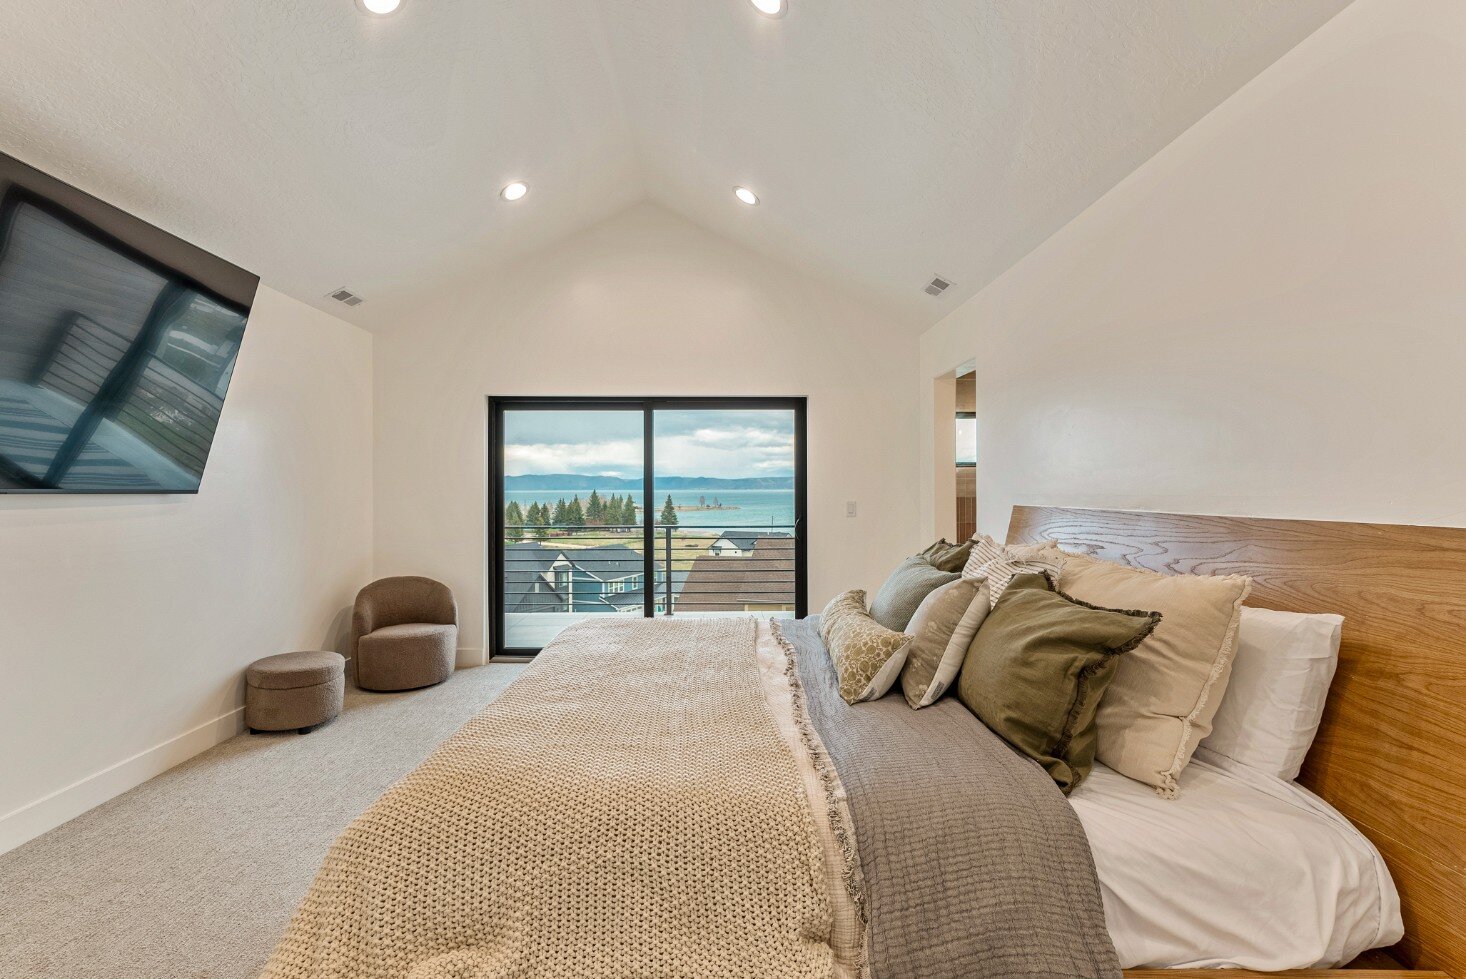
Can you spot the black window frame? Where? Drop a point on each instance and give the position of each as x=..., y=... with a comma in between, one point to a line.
x=648, y=406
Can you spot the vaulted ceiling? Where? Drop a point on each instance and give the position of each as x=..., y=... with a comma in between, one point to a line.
x=322, y=147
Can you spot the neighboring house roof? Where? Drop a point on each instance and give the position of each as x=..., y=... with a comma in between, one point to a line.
x=712, y=585
x=525, y=587
x=770, y=578
x=745, y=539
x=531, y=599
x=607, y=561
x=764, y=577
x=528, y=563
x=622, y=601
x=529, y=556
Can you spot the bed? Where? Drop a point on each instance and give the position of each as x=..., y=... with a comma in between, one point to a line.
x=1276, y=878
x=1387, y=753
x=694, y=798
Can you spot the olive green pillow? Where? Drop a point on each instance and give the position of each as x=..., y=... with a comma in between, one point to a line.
x=1037, y=668
x=897, y=600
x=947, y=557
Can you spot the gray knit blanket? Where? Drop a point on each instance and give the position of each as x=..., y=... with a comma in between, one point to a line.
x=974, y=865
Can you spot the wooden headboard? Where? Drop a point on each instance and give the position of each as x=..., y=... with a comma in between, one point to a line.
x=1391, y=754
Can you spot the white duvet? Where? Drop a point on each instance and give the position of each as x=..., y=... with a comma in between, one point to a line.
x=1241, y=869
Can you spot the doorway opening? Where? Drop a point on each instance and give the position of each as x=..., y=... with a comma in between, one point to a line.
x=966, y=455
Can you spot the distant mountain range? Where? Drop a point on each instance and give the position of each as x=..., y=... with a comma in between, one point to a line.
x=575, y=481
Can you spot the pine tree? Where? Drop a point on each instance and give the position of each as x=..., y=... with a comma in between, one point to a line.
x=575, y=513
x=595, y=510
x=538, y=517
x=557, y=518
x=628, y=511
x=513, y=519
x=669, y=513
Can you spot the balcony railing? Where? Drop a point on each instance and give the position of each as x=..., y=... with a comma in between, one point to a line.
x=570, y=571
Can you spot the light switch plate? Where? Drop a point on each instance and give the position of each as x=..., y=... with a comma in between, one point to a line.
x=850, y=508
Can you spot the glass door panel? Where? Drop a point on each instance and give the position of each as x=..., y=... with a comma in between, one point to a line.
x=724, y=510
x=571, y=545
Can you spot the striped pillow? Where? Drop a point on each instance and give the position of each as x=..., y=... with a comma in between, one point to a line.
x=998, y=563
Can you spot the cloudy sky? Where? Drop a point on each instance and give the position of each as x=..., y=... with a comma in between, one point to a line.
x=725, y=444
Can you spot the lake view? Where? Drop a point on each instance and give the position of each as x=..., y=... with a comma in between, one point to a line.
x=756, y=508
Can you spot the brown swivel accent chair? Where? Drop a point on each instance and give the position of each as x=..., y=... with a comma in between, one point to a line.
x=404, y=633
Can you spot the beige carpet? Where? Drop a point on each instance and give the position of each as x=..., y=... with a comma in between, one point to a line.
x=194, y=874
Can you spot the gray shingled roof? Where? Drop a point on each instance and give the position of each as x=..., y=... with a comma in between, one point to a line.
x=745, y=539
x=606, y=561
x=728, y=584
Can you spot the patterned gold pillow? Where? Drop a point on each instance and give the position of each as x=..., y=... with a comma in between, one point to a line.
x=868, y=657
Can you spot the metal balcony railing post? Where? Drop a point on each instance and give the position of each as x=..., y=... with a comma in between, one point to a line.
x=667, y=572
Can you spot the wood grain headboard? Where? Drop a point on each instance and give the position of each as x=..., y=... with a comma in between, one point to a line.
x=1391, y=754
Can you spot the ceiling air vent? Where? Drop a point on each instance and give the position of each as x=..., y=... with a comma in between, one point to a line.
x=937, y=286
x=346, y=296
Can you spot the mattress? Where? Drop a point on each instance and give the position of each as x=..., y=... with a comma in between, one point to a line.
x=1240, y=870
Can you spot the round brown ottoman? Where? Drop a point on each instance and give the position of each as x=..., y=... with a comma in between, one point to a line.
x=293, y=691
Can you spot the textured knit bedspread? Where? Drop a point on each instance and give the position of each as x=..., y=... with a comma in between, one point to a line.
x=974, y=866
x=625, y=809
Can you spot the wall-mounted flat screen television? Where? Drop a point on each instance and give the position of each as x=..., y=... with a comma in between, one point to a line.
x=117, y=343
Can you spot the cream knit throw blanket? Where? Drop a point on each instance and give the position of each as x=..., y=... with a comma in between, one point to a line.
x=627, y=808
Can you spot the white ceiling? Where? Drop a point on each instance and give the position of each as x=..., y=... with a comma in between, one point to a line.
x=889, y=141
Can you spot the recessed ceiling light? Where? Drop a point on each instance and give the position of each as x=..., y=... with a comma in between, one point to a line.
x=745, y=195
x=379, y=6
x=514, y=191
x=771, y=8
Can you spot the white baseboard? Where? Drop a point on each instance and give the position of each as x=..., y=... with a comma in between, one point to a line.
x=468, y=657
x=48, y=812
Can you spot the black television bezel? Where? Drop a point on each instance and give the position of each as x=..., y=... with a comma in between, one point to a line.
x=183, y=262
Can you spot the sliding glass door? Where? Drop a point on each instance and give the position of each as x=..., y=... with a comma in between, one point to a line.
x=645, y=507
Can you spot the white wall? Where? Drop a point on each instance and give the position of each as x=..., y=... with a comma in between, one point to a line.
x=126, y=622
x=642, y=304
x=1268, y=318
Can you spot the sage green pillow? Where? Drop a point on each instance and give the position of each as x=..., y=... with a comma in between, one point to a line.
x=898, y=599
x=942, y=628
x=1037, y=668
x=947, y=557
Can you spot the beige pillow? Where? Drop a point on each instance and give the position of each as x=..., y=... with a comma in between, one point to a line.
x=1167, y=690
x=998, y=563
x=868, y=657
x=941, y=631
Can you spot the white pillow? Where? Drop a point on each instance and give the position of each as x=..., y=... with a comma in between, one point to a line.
x=1280, y=679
